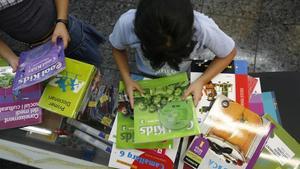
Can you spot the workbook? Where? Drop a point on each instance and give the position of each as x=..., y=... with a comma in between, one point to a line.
x=231, y=136
x=20, y=110
x=64, y=93
x=39, y=64
x=160, y=113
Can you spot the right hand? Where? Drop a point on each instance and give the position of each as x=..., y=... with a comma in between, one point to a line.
x=13, y=62
x=131, y=86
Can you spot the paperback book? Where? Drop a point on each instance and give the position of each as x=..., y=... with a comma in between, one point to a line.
x=39, y=64
x=160, y=113
x=232, y=83
x=65, y=92
x=281, y=151
x=125, y=136
x=231, y=137
x=143, y=158
x=21, y=110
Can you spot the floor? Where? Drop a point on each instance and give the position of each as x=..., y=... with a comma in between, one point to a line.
x=267, y=32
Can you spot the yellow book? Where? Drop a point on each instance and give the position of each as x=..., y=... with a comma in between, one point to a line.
x=64, y=93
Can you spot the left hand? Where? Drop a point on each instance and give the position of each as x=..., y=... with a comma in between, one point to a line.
x=62, y=32
x=196, y=90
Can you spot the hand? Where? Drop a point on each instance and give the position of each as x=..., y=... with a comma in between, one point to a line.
x=132, y=85
x=196, y=90
x=62, y=32
x=13, y=62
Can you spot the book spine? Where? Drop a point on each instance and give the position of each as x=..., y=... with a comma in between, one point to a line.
x=83, y=93
x=242, y=96
x=93, y=141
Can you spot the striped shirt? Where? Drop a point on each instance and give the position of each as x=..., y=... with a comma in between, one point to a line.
x=7, y=3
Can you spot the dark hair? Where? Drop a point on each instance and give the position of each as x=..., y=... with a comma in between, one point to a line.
x=165, y=29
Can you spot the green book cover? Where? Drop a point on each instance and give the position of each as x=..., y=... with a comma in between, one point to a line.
x=64, y=93
x=160, y=113
x=3, y=62
x=281, y=151
x=125, y=136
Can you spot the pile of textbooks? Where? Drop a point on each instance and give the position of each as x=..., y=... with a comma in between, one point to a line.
x=234, y=125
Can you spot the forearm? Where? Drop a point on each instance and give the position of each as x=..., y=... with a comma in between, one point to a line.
x=121, y=58
x=5, y=51
x=216, y=67
x=62, y=9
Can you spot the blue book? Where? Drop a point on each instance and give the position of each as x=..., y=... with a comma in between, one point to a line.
x=270, y=105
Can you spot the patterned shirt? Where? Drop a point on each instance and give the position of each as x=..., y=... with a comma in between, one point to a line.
x=7, y=3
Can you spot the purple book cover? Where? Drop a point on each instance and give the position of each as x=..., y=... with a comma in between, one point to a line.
x=22, y=110
x=39, y=64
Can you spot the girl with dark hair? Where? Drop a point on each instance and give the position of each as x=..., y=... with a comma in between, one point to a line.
x=167, y=35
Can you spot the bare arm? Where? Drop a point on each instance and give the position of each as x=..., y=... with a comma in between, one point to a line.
x=121, y=58
x=9, y=55
x=216, y=67
x=61, y=29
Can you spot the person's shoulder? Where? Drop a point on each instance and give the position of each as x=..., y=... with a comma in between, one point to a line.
x=201, y=19
x=128, y=17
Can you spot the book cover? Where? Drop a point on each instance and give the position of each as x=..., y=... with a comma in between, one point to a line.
x=39, y=64
x=64, y=92
x=270, y=105
x=143, y=158
x=21, y=110
x=281, y=151
x=125, y=136
x=100, y=111
x=232, y=82
x=231, y=137
x=160, y=113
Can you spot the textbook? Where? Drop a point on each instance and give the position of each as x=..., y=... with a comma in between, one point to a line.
x=143, y=158
x=281, y=151
x=160, y=113
x=64, y=93
x=21, y=110
x=125, y=136
x=232, y=136
x=39, y=64
x=232, y=82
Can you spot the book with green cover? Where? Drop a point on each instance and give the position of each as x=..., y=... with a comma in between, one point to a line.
x=3, y=62
x=125, y=136
x=160, y=113
x=64, y=93
x=281, y=151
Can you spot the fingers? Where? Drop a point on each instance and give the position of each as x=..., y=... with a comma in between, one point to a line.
x=14, y=67
x=54, y=38
x=196, y=95
x=131, y=100
x=138, y=88
x=197, y=98
x=66, y=41
x=186, y=93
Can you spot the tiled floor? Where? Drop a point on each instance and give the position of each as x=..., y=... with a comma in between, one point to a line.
x=267, y=32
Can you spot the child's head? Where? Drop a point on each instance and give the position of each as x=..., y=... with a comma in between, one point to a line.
x=165, y=29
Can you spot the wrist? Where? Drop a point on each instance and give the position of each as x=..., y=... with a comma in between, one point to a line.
x=62, y=21
x=200, y=81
